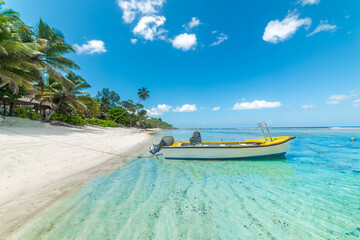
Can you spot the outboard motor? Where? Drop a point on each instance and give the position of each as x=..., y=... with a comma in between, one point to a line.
x=167, y=140
x=195, y=138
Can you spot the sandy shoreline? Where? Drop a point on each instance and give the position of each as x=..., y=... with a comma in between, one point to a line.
x=40, y=163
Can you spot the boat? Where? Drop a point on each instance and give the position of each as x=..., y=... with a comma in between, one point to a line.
x=253, y=148
x=224, y=150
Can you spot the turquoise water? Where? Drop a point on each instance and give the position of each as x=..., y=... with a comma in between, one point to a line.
x=306, y=195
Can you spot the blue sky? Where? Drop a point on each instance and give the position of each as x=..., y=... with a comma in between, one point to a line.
x=296, y=63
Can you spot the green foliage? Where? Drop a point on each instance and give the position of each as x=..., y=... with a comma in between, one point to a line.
x=157, y=123
x=35, y=115
x=92, y=105
x=107, y=99
x=55, y=116
x=72, y=119
x=103, y=123
x=27, y=112
x=21, y=112
x=120, y=114
x=62, y=117
x=76, y=120
x=143, y=94
x=7, y=93
x=59, y=117
x=34, y=58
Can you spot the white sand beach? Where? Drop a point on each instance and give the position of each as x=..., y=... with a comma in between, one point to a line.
x=40, y=163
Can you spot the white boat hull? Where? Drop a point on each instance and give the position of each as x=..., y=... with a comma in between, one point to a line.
x=224, y=153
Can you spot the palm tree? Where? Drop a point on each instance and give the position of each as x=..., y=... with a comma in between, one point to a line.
x=143, y=94
x=16, y=66
x=79, y=83
x=107, y=99
x=59, y=95
x=52, y=47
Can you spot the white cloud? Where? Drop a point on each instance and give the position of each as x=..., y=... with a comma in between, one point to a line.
x=255, y=105
x=186, y=108
x=164, y=107
x=278, y=31
x=306, y=107
x=132, y=8
x=308, y=2
x=220, y=38
x=216, y=109
x=336, y=99
x=159, y=110
x=133, y=41
x=324, y=26
x=193, y=23
x=184, y=41
x=147, y=27
x=357, y=103
x=91, y=47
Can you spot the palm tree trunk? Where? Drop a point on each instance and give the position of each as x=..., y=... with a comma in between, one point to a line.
x=48, y=118
x=11, y=109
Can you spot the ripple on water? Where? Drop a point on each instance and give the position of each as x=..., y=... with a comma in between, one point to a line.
x=303, y=196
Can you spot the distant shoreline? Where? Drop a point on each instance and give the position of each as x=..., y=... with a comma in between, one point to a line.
x=41, y=164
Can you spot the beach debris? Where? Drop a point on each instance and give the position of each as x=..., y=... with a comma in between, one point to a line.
x=304, y=132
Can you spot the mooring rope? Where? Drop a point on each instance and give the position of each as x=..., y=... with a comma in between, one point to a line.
x=308, y=146
x=79, y=146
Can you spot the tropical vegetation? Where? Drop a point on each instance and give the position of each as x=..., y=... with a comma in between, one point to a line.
x=34, y=63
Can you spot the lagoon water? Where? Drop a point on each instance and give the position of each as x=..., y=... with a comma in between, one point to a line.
x=306, y=195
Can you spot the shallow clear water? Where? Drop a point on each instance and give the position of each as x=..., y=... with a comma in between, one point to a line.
x=306, y=195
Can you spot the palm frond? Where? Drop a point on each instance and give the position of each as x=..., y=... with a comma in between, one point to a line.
x=3, y=51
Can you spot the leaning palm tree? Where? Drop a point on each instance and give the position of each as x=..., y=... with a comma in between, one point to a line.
x=143, y=94
x=59, y=95
x=16, y=67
